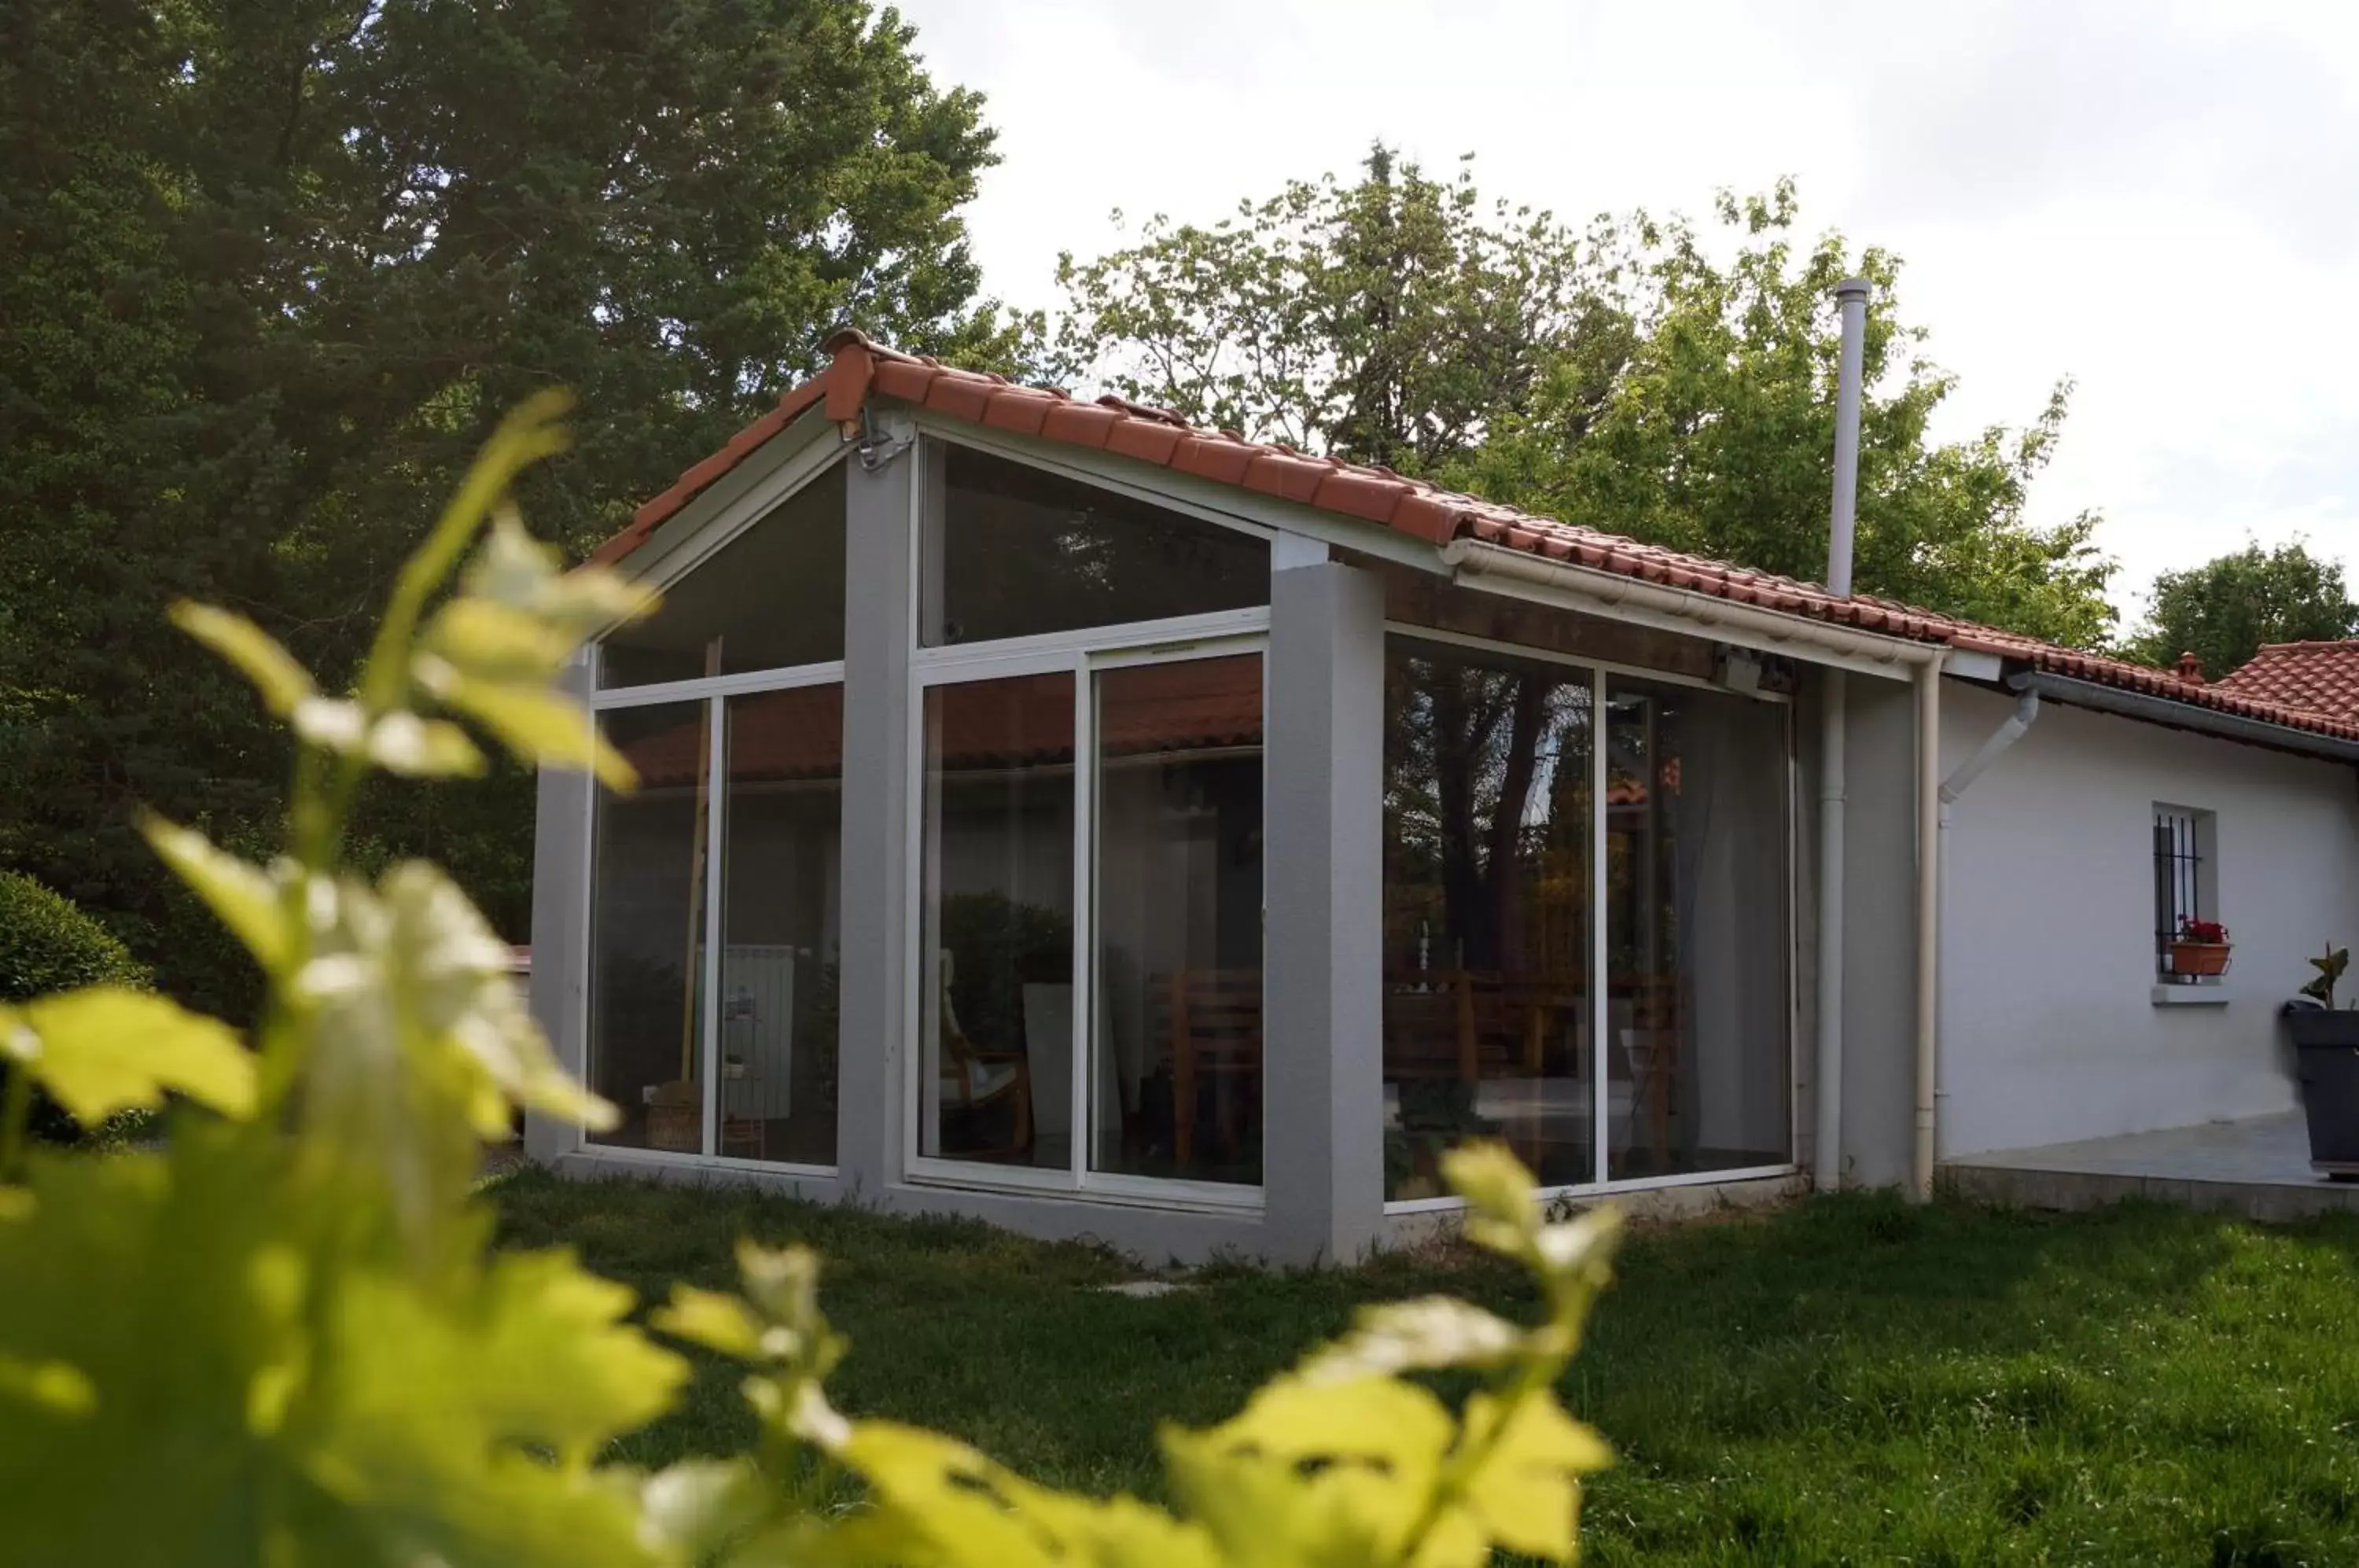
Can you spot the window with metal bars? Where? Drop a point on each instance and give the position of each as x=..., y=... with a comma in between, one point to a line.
x=2182, y=881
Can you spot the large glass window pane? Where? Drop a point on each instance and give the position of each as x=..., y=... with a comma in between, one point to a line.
x=1015, y=551
x=1696, y=930
x=995, y=956
x=770, y=598
x=1176, y=1067
x=779, y=955
x=1487, y=893
x=647, y=922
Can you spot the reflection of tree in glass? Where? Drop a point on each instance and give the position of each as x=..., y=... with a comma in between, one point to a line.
x=1487, y=790
x=1027, y=551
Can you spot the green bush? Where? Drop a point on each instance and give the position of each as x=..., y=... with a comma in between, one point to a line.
x=49, y=944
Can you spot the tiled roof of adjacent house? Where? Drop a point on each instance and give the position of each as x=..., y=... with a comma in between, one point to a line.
x=1159, y=437
x=2319, y=677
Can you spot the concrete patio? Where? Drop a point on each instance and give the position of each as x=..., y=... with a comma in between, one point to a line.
x=2259, y=1168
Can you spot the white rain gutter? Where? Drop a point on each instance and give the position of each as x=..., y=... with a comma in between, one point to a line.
x=1826, y=1169
x=1929, y=1051
x=1499, y=569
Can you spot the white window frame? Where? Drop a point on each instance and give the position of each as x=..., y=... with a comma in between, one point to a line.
x=1080, y=654
x=1599, y=673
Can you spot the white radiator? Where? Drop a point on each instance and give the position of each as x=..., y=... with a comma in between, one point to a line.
x=757, y=1029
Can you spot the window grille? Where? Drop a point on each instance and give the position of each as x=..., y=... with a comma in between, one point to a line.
x=2178, y=878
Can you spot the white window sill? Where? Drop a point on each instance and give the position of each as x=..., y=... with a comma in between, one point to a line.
x=2197, y=995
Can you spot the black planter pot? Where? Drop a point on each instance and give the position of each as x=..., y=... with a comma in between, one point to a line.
x=2326, y=1044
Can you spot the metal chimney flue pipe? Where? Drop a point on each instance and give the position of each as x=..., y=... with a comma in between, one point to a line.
x=1827, y=1164
x=1851, y=300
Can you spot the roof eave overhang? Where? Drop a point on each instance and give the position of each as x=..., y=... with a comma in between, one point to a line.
x=1495, y=569
x=2184, y=715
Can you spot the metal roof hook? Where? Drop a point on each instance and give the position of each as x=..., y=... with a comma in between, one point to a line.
x=880, y=441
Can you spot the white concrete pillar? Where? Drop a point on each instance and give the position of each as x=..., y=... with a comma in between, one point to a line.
x=560, y=926
x=1322, y=865
x=872, y=1031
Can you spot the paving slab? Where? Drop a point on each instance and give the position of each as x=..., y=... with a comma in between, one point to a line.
x=2258, y=1168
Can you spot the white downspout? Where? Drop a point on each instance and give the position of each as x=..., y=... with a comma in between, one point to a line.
x=1850, y=298
x=2027, y=711
x=1929, y=924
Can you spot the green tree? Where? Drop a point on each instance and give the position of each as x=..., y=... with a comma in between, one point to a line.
x=2224, y=609
x=1390, y=321
x=1619, y=376
x=266, y=273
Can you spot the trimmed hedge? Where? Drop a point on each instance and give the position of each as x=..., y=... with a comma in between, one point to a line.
x=47, y=943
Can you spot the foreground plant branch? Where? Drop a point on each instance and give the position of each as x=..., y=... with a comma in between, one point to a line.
x=285, y=1337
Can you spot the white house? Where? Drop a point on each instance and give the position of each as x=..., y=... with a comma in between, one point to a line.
x=1052, y=812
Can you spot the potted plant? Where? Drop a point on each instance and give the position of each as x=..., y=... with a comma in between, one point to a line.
x=2199, y=949
x=2326, y=1049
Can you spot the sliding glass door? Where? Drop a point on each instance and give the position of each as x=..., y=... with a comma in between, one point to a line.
x=722, y=1049
x=1088, y=932
x=995, y=945
x=1489, y=903
x=1175, y=1052
x=1698, y=942
x=1086, y=973
x=1587, y=948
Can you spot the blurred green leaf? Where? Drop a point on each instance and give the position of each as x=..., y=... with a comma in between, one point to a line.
x=110, y=1049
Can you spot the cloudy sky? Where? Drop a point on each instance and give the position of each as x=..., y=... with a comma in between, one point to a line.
x=2158, y=200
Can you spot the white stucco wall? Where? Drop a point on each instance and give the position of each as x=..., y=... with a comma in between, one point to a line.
x=2052, y=1032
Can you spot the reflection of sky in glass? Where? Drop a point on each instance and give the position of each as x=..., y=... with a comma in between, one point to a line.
x=1567, y=723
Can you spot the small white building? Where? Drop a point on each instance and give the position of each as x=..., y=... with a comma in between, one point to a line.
x=1052, y=812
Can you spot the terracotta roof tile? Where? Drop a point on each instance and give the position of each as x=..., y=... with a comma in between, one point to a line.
x=2319, y=677
x=1374, y=495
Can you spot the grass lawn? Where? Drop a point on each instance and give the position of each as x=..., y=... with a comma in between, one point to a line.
x=1846, y=1381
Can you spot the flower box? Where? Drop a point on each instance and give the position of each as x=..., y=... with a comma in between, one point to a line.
x=2200, y=949
x=2202, y=958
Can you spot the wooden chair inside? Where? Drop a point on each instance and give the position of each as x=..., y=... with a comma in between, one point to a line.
x=1650, y=1050
x=1472, y=1026
x=1211, y=1021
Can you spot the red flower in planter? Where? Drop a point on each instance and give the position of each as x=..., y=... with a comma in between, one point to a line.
x=2209, y=933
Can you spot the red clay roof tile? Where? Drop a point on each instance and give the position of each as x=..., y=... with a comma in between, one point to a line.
x=1148, y=440
x=1214, y=457
x=2319, y=677
x=1019, y=408
x=1079, y=424
x=1160, y=436
x=1285, y=474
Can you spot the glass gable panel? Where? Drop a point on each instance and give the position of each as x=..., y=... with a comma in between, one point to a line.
x=1016, y=552
x=769, y=599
